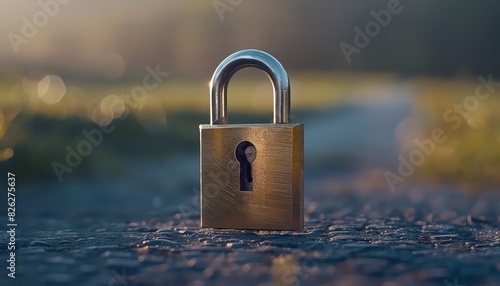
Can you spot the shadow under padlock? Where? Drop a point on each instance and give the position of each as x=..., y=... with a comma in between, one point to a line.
x=263, y=164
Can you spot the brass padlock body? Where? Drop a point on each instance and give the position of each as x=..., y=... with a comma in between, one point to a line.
x=267, y=192
x=277, y=199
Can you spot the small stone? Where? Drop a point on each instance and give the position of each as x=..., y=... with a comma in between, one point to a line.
x=445, y=236
x=165, y=230
x=345, y=237
x=236, y=245
x=161, y=242
x=185, y=232
x=39, y=243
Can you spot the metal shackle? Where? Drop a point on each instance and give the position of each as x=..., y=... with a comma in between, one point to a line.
x=249, y=58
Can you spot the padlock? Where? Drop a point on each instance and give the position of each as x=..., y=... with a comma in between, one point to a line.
x=251, y=175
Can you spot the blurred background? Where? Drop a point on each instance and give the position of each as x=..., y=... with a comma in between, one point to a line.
x=108, y=95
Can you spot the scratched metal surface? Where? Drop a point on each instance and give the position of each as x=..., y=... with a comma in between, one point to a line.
x=90, y=235
x=278, y=166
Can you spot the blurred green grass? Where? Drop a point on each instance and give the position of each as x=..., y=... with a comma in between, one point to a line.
x=470, y=157
x=166, y=123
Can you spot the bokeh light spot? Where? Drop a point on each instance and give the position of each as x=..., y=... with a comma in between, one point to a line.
x=51, y=89
x=6, y=154
x=112, y=106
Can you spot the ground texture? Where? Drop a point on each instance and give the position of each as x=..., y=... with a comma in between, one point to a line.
x=411, y=237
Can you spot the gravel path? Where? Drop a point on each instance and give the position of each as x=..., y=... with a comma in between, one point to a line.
x=412, y=237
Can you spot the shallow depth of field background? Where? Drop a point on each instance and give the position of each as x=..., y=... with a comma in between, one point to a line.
x=360, y=115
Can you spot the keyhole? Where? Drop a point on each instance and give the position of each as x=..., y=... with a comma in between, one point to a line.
x=245, y=154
